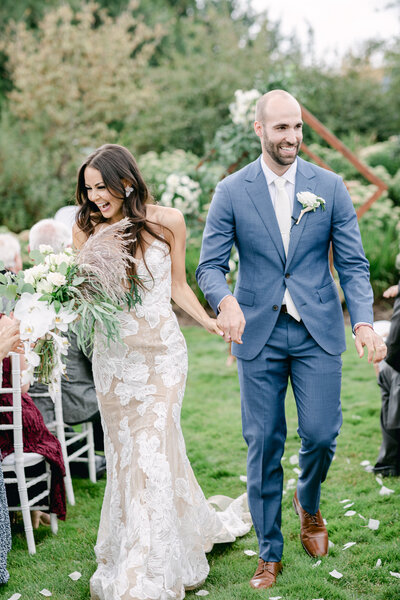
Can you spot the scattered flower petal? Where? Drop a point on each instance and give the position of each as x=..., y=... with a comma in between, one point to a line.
x=378, y=563
x=75, y=575
x=243, y=478
x=384, y=491
x=361, y=517
x=294, y=459
x=250, y=552
x=15, y=597
x=202, y=593
x=348, y=505
x=395, y=574
x=350, y=513
x=356, y=417
x=379, y=480
x=348, y=461
x=325, y=521
x=373, y=524
x=297, y=471
x=349, y=545
x=369, y=468
x=45, y=592
x=275, y=597
x=345, y=500
x=330, y=544
x=316, y=564
x=364, y=463
x=336, y=574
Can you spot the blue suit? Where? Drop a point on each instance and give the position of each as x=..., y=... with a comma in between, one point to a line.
x=275, y=346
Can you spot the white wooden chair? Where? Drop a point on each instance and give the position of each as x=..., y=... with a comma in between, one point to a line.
x=14, y=464
x=67, y=438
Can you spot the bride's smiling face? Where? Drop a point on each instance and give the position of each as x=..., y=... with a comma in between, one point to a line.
x=109, y=205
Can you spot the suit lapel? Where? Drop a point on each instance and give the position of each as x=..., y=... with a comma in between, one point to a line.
x=305, y=182
x=257, y=189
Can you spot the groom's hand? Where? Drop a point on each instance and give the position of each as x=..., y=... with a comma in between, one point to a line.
x=366, y=336
x=231, y=320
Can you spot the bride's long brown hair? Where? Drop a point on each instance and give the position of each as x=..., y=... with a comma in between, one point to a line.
x=118, y=169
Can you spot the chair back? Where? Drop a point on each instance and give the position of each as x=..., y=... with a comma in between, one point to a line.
x=16, y=408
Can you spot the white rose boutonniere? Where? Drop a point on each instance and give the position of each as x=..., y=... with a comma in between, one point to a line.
x=309, y=201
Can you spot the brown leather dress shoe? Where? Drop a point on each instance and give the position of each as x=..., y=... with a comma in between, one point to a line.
x=265, y=575
x=313, y=533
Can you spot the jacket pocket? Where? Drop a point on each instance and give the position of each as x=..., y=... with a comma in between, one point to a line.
x=245, y=296
x=327, y=292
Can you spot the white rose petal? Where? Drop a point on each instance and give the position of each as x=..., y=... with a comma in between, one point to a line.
x=364, y=463
x=249, y=552
x=349, y=545
x=373, y=524
x=369, y=468
x=379, y=480
x=325, y=521
x=378, y=563
x=395, y=574
x=316, y=564
x=361, y=517
x=275, y=598
x=336, y=574
x=384, y=491
x=350, y=513
x=202, y=593
x=294, y=459
x=243, y=478
x=45, y=592
x=348, y=505
x=15, y=597
x=330, y=544
x=345, y=500
x=348, y=461
x=56, y=279
x=75, y=575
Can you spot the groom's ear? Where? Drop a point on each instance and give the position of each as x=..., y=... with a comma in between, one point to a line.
x=258, y=128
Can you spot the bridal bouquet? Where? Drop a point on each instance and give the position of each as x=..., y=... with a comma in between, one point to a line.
x=69, y=290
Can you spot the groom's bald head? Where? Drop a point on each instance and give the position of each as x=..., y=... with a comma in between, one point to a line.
x=268, y=101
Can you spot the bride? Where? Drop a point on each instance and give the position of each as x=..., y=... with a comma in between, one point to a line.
x=156, y=524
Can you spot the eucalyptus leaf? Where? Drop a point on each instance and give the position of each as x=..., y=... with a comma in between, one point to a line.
x=27, y=287
x=78, y=280
x=10, y=291
x=36, y=256
x=3, y=278
x=63, y=268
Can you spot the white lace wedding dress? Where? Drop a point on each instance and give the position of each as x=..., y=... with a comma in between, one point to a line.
x=156, y=524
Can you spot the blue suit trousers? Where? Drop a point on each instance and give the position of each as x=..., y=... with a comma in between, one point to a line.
x=315, y=376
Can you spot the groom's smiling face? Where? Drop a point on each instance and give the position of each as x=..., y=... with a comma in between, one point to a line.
x=280, y=132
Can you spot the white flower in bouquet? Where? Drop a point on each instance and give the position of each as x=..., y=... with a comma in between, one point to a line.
x=56, y=279
x=36, y=317
x=35, y=273
x=45, y=249
x=44, y=286
x=242, y=110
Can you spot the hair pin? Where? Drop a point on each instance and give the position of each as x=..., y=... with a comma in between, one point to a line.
x=128, y=190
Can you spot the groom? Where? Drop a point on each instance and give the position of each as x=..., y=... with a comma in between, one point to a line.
x=285, y=318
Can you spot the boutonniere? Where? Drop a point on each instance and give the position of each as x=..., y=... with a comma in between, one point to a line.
x=309, y=201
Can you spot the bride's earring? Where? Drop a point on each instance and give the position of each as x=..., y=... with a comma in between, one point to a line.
x=128, y=190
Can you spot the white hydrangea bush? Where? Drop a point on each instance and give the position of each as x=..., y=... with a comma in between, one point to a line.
x=242, y=109
x=182, y=192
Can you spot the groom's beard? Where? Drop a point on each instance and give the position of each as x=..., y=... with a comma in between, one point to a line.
x=277, y=154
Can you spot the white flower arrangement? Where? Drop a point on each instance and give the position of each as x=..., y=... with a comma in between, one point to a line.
x=182, y=192
x=309, y=201
x=66, y=291
x=242, y=110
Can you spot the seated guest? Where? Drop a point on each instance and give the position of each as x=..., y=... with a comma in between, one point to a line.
x=10, y=252
x=36, y=436
x=388, y=462
x=9, y=341
x=79, y=398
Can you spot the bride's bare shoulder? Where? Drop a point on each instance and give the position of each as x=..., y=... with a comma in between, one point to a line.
x=165, y=216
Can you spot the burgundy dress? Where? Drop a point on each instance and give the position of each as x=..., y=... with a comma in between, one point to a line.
x=37, y=438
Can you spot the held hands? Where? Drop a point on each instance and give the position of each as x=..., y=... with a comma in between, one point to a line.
x=366, y=336
x=231, y=320
x=212, y=326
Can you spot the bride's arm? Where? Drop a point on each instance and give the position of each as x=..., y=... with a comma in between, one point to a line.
x=181, y=292
x=78, y=237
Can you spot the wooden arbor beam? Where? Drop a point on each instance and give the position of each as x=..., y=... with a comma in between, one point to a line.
x=329, y=137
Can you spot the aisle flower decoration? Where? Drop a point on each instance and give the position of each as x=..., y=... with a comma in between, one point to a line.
x=69, y=290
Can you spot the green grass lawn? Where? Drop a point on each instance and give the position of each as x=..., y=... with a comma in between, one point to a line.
x=211, y=423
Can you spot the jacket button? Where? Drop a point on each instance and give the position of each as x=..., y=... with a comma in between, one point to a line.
x=287, y=275
x=275, y=307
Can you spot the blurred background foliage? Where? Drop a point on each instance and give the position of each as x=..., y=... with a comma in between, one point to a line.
x=160, y=77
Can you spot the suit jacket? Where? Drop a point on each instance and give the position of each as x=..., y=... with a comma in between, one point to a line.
x=393, y=339
x=242, y=213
